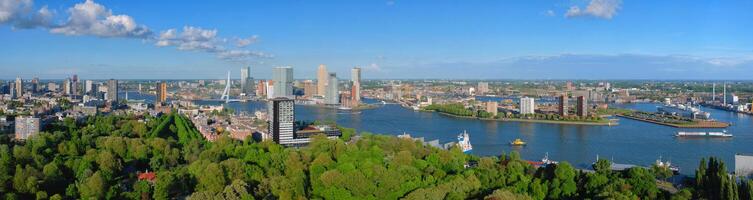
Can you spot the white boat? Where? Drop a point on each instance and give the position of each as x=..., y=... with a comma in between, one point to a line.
x=546, y=160
x=681, y=110
x=464, y=141
x=703, y=134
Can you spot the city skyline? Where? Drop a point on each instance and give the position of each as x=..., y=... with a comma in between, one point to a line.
x=582, y=39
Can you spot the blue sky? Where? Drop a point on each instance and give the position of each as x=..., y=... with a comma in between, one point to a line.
x=565, y=39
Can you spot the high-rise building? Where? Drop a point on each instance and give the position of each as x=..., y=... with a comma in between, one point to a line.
x=19, y=87
x=321, y=80
x=527, y=105
x=332, y=95
x=261, y=88
x=26, y=126
x=35, y=85
x=162, y=92
x=355, y=93
x=309, y=89
x=88, y=86
x=563, y=105
x=582, y=110
x=12, y=89
x=112, y=90
x=74, y=85
x=67, y=86
x=283, y=82
x=281, y=120
x=483, y=87
x=491, y=107
x=247, y=82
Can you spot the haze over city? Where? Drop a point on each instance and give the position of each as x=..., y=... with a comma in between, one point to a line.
x=576, y=39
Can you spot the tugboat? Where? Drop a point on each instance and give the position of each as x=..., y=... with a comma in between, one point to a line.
x=675, y=170
x=464, y=141
x=518, y=142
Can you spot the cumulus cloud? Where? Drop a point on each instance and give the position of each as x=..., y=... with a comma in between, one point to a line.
x=243, y=42
x=90, y=18
x=605, y=9
x=93, y=19
x=19, y=14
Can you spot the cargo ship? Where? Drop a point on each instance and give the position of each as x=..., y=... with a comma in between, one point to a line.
x=464, y=141
x=722, y=134
x=681, y=110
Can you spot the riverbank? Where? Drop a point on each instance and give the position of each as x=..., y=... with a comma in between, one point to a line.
x=608, y=123
x=698, y=124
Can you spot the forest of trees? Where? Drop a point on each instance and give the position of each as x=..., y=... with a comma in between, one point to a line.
x=100, y=158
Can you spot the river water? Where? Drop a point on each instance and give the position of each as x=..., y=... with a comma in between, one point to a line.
x=630, y=142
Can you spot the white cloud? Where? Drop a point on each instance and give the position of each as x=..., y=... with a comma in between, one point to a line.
x=605, y=9
x=243, y=42
x=90, y=18
x=11, y=9
x=373, y=67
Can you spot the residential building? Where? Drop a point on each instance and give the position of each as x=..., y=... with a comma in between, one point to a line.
x=491, y=107
x=527, y=105
x=88, y=86
x=321, y=80
x=26, y=126
x=309, y=89
x=19, y=87
x=582, y=107
x=112, y=90
x=67, y=86
x=355, y=94
x=74, y=85
x=162, y=93
x=282, y=121
x=563, y=105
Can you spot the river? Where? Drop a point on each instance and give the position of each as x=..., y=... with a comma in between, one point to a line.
x=630, y=142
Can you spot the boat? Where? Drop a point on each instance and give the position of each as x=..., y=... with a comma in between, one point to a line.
x=464, y=141
x=722, y=134
x=546, y=160
x=675, y=170
x=518, y=142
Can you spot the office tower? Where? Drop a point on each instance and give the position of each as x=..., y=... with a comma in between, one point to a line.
x=162, y=93
x=582, y=109
x=67, y=86
x=281, y=120
x=283, y=82
x=112, y=90
x=713, y=92
x=491, y=107
x=35, y=85
x=309, y=89
x=74, y=85
x=12, y=89
x=563, y=105
x=483, y=87
x=247, y=82
x=19, y=87
x=332, y=95
x=26, y=126
x=527, y=105
x=355, y=93
x=321, y=80
x=88, y=86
